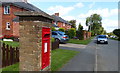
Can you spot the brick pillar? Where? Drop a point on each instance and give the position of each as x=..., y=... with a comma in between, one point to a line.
x=31, y=24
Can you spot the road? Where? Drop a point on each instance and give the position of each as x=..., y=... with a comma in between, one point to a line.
x=93, y=57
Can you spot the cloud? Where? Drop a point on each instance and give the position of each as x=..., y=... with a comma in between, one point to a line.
x=103, y=12
x=80, y=5
x=69, y=18
x=110, y=24
x=63, y=10
x=91, y=5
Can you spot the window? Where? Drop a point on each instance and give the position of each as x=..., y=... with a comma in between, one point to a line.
x=7, y=26
x=63, y=24
x=53, y=33
x=6, y=9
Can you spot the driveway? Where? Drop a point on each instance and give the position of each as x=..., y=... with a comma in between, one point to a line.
x=93, y=57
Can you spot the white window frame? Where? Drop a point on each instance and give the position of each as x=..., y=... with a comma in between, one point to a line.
x=63, y=24
x=6, y=9
x=8, y=26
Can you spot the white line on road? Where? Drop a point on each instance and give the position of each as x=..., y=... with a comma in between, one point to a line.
x=96, y=58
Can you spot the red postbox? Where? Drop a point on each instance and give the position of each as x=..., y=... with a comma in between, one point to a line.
x=45, y=47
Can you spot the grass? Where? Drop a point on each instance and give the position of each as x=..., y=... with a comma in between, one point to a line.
x=13, y=44
x=84, y=42
x=59, y=58
x=14, y=67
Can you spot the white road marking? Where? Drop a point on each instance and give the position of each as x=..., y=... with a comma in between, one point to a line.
x=96, y=60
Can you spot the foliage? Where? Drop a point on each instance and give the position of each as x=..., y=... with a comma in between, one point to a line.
x=80, y=27
x=72, y=32
x=53, y=29
x=73, y=22
x=52, y=39
x=79, y=33
x=117, y=33
x=95, y=24
x=61, y=29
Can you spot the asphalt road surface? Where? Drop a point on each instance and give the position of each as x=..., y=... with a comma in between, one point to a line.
x=94, y=57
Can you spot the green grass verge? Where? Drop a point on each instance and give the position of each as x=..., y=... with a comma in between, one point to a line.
x=14, y=67
x=13, y=44
x=59, y=58
x=84, y=42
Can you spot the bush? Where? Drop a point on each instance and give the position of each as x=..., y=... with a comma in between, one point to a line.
x=52, y=39
x=61, y=29
x=72, y=32
x=117, y=33
x=80, y=35
x=53, y=29
x=66, y=32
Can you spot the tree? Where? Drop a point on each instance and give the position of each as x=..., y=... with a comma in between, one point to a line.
x=80, y=27
x=73, y=22
x=61, y=29
x=94, y=23
x=79, y=33
x=71, y=32
x=117, y=33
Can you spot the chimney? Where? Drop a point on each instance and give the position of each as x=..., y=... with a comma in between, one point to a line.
x=56, y=14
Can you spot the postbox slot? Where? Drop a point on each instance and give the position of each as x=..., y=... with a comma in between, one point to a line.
x=46, y=35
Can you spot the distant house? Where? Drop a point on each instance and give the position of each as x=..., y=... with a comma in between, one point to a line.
x=9, y=23
x=60, y=22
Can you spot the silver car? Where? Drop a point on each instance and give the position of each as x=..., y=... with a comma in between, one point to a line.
x=60, y=36
x=102, y=39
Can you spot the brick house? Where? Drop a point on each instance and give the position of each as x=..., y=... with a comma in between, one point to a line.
x=60, y=22
x=9, y=23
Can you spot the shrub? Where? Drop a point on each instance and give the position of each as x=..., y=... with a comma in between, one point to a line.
x=61, y=29
x=72, y=32
x=117, y=33
x=80, y=35
x=53, y=29
x=52, y=39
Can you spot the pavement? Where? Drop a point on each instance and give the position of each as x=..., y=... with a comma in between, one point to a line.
x=93, y=57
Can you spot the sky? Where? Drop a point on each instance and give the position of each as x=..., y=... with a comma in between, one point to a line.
x=79, y=11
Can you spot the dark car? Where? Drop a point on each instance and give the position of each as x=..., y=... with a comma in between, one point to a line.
x=102, y=39
x=60, y=36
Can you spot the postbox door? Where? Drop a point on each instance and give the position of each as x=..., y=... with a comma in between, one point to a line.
x=45, y=47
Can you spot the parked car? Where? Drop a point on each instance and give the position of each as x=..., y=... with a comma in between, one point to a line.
x=60, y=36
x=113, y=36
x=102, y=39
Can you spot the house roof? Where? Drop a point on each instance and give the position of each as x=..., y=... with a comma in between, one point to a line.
x=23, y=5
x=29, y=7
x=57, y=18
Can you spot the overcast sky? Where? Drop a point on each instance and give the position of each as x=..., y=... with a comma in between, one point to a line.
x=80, y=10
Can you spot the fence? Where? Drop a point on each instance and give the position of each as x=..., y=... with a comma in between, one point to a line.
x=10, y=55
x=55, y=45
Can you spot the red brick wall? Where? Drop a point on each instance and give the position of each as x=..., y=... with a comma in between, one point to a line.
x=8, y=18
x=0, y=21
x=16, y=29
x=61, y=25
